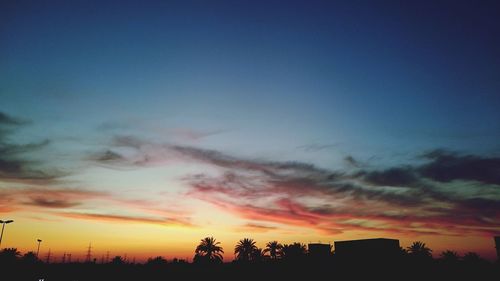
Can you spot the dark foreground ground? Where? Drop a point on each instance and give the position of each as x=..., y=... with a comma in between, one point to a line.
x=330, y=269
x=300, y=270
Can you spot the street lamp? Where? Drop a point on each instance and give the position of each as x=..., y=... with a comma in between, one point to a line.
x=38, y=250
x=3, y=226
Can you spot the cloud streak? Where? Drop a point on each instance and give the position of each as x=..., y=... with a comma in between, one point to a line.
x=255, y=227
x=126, y=219
x=8, y=120
x=65, y=201
x=316, y=147
x=15, y=165
x=446, y=166
x=411, y=199
x=46, y=197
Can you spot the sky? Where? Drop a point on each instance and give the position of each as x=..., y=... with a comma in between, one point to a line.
x=143, y=126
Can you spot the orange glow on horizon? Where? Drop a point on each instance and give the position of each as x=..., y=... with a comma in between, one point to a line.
x=144, y=240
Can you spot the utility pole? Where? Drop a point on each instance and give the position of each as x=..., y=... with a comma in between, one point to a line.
x=38, y=249
x=3, y=226
x=48, y=257
x=64, y=258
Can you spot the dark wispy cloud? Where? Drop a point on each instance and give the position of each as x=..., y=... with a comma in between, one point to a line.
x=106, y=156
x=6, y=119
x=15, y=162
x=441, y=166
x=177, y=133
x=446, y=166
x=190, y=134
x=13, y=149
x=255, y=227
x=51, y=203
x=15, y=198
x=260, y=226
x=41, y=188
x=315, y=147
x=129, y=219
x=412, y=198
x=401, y=176
x=399, y=199
x=128, y=141
x=72, y=200
x=352, y=162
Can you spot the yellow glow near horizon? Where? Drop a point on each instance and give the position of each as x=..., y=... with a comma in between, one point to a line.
x=143, y=240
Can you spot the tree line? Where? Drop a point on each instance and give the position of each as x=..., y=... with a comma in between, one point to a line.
x=275, y=261
x=209, y=251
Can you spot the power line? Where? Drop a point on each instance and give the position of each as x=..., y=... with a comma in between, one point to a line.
x=89, y=253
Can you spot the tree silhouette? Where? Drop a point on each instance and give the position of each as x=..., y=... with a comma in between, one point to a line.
x=9, y=255
x=450, y=256
x=118, y=260
x=403, y=252
x=294, y=251
x=471, y=257
x=274, y=249
x=29, y=258
x=419, y=250
x=244, y=249
x=156, y=261
x=473, y=260
x=257, y=255
x=208, y=251
x=296, y=265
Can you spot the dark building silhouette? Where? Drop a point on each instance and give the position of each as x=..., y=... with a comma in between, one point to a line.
x=377, y=249
x=318, y=250
x=497, y=246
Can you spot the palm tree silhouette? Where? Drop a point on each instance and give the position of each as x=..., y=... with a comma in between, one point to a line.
x=403, y=251
x=257, y=255
x=244, y=249
x=419, y=250
x=208, y=250
x=450, y=256
x=274, y=249
x=294, y=251
x=471, y=257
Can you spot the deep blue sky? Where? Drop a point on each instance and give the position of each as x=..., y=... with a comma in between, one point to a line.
x=363, y=72
x=369, y=77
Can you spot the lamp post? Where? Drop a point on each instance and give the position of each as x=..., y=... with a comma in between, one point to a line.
x=38, y=250
x=3, y=226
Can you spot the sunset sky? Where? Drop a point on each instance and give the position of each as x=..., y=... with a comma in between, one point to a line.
x=144, y=127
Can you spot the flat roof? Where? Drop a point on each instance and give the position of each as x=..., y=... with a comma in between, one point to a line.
x=368, y=239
